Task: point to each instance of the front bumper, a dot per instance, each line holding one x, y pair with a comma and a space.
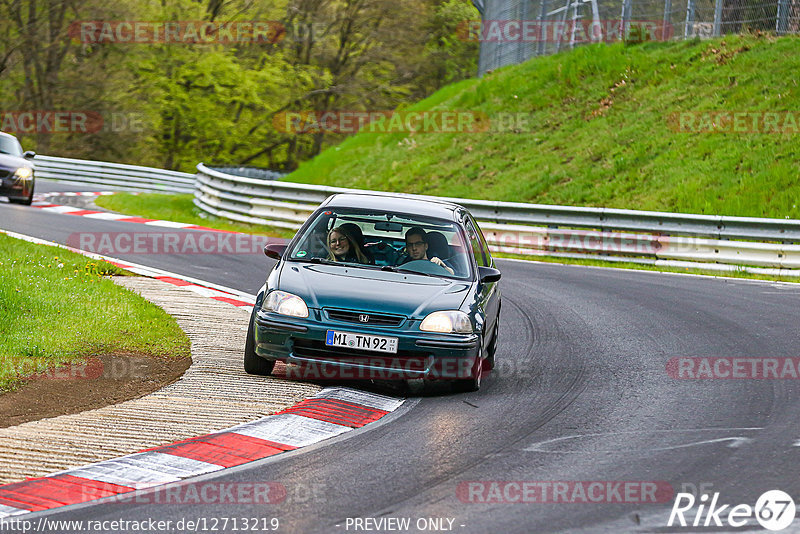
301, 344
13, 187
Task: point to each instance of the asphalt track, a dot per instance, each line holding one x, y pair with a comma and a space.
581, 394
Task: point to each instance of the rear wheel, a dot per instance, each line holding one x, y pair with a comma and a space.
253, 363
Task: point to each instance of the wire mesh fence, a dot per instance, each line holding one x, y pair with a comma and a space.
513, 31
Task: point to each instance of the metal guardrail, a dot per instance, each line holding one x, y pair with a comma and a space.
116, 175
250, 172
510, 227
536, 229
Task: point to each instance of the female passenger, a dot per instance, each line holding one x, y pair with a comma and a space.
344, 247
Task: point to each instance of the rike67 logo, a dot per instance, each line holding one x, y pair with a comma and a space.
774, 510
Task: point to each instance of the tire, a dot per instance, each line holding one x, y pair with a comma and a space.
473, 383
253, 363
24, 201
491, 350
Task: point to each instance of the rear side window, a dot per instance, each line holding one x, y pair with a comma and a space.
475, 242
484, 246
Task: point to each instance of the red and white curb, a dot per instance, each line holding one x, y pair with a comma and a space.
329, 413
40, 202
231, 296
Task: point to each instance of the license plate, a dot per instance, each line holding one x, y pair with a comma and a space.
350, 340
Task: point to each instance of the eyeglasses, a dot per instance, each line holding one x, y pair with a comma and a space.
334, 241
414, 244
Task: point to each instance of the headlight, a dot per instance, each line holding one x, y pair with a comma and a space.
285, 304
24, 173
447, 322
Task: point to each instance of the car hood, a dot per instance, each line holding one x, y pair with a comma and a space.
8, 161
333, 286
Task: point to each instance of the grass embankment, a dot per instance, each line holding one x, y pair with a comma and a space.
599, 133
178, 208
58, 307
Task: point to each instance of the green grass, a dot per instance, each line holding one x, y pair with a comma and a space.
178, 208
58, 307
600, 134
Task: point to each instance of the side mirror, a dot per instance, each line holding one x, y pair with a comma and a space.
29, 154
275, 250
487, 275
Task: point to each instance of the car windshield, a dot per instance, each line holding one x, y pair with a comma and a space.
9, 145
377, 240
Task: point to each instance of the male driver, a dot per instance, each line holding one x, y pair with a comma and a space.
417, 247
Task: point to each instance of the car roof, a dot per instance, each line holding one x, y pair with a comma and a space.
396, 202
4, 134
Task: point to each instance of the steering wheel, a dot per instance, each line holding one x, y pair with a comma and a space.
425, 266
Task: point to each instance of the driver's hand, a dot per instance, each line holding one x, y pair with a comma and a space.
440, 263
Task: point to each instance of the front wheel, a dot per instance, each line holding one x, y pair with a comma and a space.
253, 363
473, 383
492, 349
24, 201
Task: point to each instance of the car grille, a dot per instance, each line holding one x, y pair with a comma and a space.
317, 350
5, 173
373, 319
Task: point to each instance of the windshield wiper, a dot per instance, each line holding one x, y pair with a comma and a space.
326, 261
323, 261
401, 270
